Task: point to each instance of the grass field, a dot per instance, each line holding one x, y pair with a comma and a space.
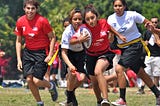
85, 97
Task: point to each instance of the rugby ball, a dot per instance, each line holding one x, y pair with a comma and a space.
84, 31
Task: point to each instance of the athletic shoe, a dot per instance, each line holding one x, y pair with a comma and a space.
40, 104
53, 91
64, 103
140, 91
105, 103
119, 102
158, 101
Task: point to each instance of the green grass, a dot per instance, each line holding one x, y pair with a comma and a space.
85, 97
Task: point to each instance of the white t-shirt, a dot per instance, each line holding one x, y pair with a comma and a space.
66, 36
126, 24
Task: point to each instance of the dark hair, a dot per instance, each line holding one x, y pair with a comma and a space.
34, 2
65, 20
72, 12
124, 3
91, 8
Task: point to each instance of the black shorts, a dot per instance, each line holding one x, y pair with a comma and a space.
78, 60
33, 63
54, 69
91, 61
131, 57
63, 69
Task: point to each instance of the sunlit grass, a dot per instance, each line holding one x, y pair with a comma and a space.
85, 97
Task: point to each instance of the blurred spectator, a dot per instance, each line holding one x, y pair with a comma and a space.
132, 78
3, 64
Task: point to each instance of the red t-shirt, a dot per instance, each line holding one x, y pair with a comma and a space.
34, 31
100, 42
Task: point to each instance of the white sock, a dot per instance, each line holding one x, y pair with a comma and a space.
51, 86
40, 102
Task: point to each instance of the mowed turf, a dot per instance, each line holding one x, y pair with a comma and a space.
85, 97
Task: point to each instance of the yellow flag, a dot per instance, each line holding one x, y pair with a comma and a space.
53, 58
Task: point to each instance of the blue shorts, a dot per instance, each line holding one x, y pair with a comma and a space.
33, 63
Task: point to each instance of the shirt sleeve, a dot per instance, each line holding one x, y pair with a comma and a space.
138, 17
18, 30
46, 26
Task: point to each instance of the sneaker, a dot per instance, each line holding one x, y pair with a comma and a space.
40, 104
140, 91
105, 103
158, 101
53, 91
119, 102
64, 103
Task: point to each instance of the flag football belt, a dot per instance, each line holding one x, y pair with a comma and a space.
135, 41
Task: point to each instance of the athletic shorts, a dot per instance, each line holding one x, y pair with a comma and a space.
152, 66
115, 61
78, 60
63, 71
91, 61
54, 67
33, 63
131, 57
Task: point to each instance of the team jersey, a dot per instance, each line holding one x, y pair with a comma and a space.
100, 42
34, 31
126, 24
67, 35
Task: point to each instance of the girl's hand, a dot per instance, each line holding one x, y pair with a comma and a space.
19, 65
123, 38
84, 38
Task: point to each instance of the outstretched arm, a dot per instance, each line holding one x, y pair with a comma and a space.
123, 38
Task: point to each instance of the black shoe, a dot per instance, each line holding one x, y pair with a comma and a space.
53, 91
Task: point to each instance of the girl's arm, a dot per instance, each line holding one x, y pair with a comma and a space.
123, 38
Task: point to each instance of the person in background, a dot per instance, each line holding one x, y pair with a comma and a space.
132, 78
2, 64
55, 65
152, 63
99, 55
63, 66
73, 55
124, 22
39, 44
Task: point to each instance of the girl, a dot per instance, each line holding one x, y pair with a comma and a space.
125, 23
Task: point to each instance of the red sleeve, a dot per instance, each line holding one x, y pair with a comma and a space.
106, 25
18, 30
46, 26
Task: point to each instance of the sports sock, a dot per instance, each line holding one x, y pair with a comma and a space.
123, 93
40, 102
155, 90
51, 86
142, 87
69, 96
